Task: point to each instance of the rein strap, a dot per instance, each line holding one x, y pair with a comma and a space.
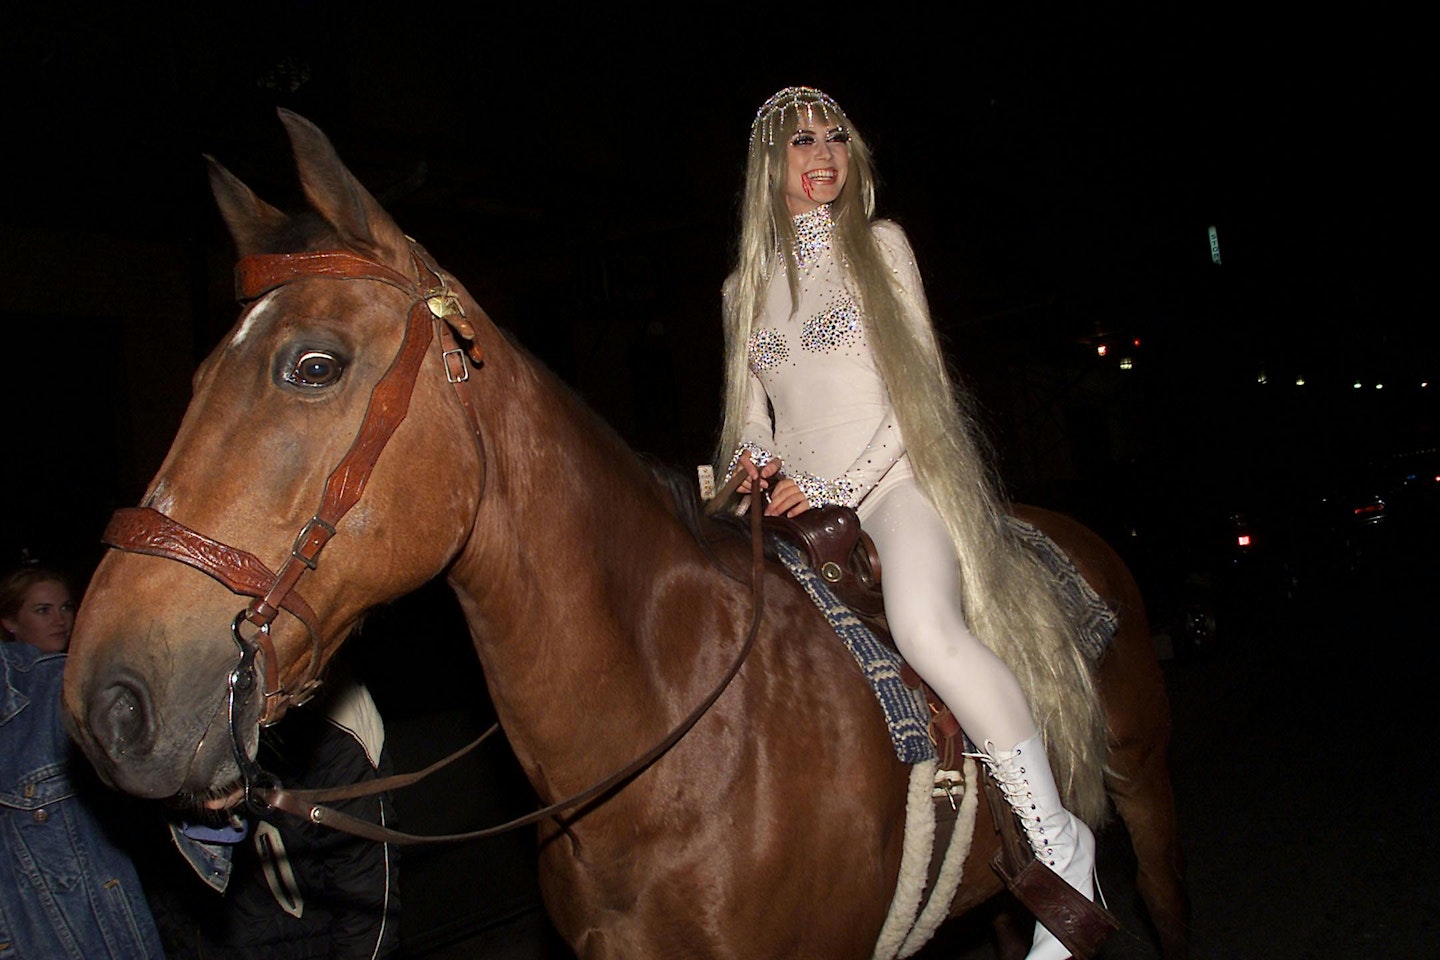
307, 804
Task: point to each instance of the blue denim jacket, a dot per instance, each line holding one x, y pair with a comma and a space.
66, 890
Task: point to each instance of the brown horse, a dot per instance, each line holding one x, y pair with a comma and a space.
772, 829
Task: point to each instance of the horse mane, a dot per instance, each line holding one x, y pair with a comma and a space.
709, 532
308, 230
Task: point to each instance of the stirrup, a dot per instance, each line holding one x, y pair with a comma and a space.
1080, 924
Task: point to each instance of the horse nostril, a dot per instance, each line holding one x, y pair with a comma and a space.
122, 723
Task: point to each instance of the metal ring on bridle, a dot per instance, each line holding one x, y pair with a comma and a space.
242, 678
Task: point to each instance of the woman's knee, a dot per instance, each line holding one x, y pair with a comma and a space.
928, 635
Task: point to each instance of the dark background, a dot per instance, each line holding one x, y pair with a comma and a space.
1057, 174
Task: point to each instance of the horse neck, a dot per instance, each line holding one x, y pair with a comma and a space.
571, 533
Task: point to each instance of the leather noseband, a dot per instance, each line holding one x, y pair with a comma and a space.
435, 309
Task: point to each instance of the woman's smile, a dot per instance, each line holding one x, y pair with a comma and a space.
816, 163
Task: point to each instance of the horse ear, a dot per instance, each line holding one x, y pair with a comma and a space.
253, 223
340, 199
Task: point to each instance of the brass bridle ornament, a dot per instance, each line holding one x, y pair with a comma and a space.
435, 313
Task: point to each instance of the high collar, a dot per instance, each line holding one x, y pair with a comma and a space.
813, 231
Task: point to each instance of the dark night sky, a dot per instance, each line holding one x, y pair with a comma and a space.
1056, 174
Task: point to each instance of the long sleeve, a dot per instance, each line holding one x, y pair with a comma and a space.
757, 417
895, 247
884, 450
758, 436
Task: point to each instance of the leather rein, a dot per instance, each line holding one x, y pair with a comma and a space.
435, 311
309, 804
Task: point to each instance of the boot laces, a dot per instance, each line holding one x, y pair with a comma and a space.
1009, 774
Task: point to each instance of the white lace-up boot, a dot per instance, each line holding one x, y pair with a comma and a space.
1060, 840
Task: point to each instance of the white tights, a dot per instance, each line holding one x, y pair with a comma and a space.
920, 581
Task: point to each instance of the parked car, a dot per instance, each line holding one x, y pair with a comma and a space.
1384, 511
1228, 574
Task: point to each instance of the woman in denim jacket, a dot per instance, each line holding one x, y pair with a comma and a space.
66, 889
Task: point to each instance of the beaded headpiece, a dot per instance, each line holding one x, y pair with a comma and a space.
802, 100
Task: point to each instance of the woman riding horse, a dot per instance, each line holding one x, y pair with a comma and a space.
826, 324
599, 619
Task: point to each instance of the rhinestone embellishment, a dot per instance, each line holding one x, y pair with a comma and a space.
767, 349
812, 235
837, 326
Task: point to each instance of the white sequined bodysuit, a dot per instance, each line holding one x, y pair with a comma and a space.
835, 430
837, 436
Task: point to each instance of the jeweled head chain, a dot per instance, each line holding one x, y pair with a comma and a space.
806, 101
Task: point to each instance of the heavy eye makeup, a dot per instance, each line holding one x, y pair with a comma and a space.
806, 138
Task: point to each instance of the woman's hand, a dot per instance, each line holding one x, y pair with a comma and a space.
786, 500
754, 473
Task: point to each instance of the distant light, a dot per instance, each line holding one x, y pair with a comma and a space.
1127, 363
1379, 386
1262, 378
1135, 342
1357, 384
1243, 540
1102, 349
1299, 381
1424, 384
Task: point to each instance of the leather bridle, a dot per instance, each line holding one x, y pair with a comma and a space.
435, 311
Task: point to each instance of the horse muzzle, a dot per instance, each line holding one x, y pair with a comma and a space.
156, 739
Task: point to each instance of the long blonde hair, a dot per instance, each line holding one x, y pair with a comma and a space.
1007, 596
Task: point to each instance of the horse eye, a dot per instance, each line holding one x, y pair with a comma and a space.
315, 368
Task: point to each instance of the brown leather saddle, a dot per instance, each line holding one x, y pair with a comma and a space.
840, 553
844, 557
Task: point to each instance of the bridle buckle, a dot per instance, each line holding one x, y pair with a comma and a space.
308, 544
459, 356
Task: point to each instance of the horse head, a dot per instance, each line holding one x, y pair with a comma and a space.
315, 418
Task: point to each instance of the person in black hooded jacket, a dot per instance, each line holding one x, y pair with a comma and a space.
280, 887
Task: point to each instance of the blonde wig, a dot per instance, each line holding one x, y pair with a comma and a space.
1008, 598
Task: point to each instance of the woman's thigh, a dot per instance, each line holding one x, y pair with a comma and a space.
920, 579
920, 576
